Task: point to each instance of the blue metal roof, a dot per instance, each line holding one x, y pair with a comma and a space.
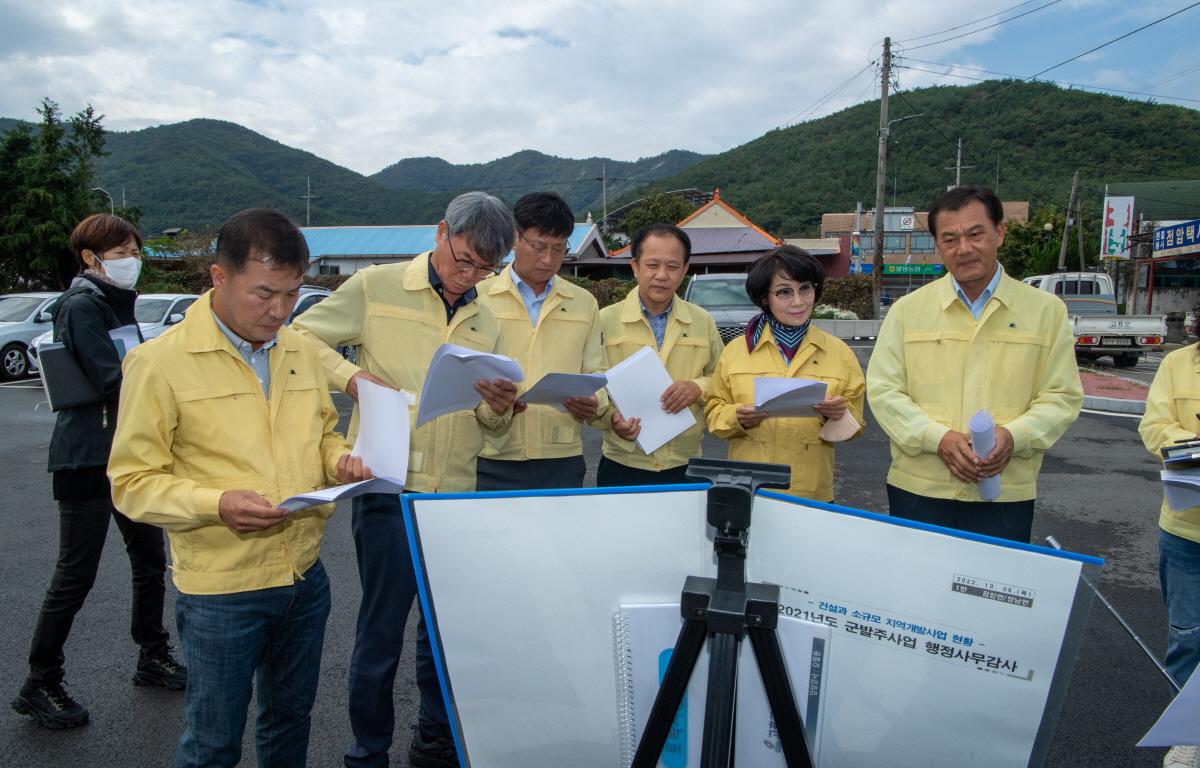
407, 240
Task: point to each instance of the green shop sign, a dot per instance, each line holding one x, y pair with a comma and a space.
912, 269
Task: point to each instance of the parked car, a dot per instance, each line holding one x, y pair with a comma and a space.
724, 297
156, 312
21, 321
310, 295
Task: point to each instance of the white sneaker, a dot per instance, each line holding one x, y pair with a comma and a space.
1182, 757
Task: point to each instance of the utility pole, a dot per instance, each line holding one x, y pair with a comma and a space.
308, 197
1062, 249
958, 166
881, 178
1079, 232
604, 187
996, 189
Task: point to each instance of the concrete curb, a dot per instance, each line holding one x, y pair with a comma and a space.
1113, 404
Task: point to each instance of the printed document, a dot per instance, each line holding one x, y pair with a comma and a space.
450, 382
382, 444
785, 396
553, 388
636, 385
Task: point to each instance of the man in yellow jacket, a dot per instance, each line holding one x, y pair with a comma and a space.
229, 416
1173, 415
687, 342
974, 340
548, 325
398, 315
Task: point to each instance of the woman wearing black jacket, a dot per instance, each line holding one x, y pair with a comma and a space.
99, 300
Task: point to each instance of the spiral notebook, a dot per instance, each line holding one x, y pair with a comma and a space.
643, 640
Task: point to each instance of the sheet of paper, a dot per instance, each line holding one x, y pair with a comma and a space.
553, 388
382, 444
1182, 487
636, 385
124, 339
1179, 724
450, 381
983, 441
784, 396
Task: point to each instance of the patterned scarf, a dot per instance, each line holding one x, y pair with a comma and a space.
787, 337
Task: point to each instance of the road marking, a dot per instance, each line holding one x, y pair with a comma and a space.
19, 385
1111, 413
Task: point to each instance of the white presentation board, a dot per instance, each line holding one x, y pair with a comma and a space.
948, 649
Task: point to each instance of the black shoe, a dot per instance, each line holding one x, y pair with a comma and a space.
432, 753
50, 706
162, 669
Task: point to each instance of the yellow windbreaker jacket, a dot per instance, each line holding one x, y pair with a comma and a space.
1173, 414
566, 340
934, 366
195, 424
397, 320
691, 347
793, 441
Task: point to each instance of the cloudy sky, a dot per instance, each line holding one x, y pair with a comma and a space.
365, 84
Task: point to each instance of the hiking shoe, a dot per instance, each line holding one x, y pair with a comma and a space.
432, 753
161, 669
50, 706
1182, 757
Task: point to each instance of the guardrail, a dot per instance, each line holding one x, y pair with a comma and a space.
850, 329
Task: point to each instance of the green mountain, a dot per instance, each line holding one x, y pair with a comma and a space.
1031, 136
195, 174
578, 181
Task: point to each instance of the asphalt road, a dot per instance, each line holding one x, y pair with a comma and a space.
1099, 495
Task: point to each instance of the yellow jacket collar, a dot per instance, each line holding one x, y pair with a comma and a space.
203, 335
631, 309
416, 276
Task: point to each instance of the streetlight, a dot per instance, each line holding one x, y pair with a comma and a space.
111, 209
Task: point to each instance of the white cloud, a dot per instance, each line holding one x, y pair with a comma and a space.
366, 83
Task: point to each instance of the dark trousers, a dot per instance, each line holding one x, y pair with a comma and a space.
611, 473
82, 528
1011, 520
495, 475
389, 585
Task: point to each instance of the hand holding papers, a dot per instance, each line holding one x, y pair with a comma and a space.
636, 385
780, 396
553, 388
382, 445
983, 441
450, 382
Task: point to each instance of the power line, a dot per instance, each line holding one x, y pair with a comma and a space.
900, 94
1098, 47
1169, 78
1018, 77
969, 23
829, 96
990, 26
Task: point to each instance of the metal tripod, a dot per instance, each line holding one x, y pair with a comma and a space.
723, 610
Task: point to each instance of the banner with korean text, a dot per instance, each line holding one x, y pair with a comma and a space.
1116, 227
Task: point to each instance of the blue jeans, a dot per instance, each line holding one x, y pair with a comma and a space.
1179, 571
389, 585
271, 637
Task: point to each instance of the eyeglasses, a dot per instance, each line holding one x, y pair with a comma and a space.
787, 294
558, 250
466, 266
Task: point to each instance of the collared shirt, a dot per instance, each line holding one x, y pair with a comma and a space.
533, 304
976, 307
259, 361
436, 281
658, 323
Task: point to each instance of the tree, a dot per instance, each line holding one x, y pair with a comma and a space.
47, 179
660, 207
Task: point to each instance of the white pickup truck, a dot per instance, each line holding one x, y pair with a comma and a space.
1098, 329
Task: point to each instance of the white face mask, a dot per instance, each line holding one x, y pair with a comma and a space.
123, 272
